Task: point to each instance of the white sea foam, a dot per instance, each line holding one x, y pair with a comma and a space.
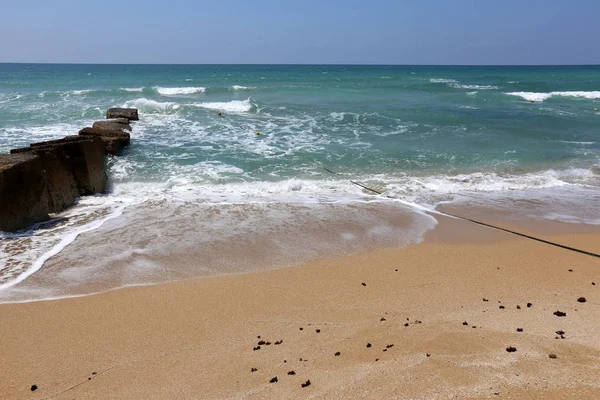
535, 96
141, 89
149, 105
239, 87
176, 91
475, 87
233, 106
442, 80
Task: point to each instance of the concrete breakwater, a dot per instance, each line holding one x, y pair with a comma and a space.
47, 177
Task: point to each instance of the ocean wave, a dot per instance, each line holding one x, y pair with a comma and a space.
233, 106
175, 91
239, 87
135, 90
475, 87
148, 105
442, 80
8, 97
535, 96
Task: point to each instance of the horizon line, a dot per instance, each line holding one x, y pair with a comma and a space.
309, 64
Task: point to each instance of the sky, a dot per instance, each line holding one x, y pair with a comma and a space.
432, 32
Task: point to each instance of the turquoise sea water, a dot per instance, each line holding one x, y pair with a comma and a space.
421, 135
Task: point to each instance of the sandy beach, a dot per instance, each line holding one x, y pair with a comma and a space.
469, 314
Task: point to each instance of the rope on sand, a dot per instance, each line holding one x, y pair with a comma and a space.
562, 246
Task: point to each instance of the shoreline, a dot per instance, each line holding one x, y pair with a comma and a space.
195, 338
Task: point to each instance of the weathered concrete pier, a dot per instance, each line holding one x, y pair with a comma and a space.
48, 177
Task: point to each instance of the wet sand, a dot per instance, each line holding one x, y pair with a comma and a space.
471, 313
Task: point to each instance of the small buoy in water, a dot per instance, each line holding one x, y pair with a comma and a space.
256, 132
596, 109
219, 114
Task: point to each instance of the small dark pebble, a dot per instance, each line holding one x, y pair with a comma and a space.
427, 355
518, 307
300, 359
552, 355
511, 349
337, 353
382, 319
474, 326
406, 324
94, 373
261, 343
274, 380
292, 373
485, 299
570, 270
279, 342
253, 370
268, 343
33, 388
258, 337
501, 307
318, 331
305, 384
368, 345
301, 329
284, 361
396, 270
418, 322
389, 346
581, 300
594, 283
384, 349
377, 359
364, 284
89, 378
560, 313
519, 329
256, 348
465, 323
529, 305
496, 393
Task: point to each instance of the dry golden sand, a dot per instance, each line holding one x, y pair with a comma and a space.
195, 339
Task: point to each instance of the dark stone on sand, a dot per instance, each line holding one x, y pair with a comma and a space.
518, 307
364, 284
274, 380
292, 373
570, 270
47, 177
384, 349
501, 307
552, 355
111, 126
406, 324
318, 331
427, 355
260, 343
256, 348
337, 353
368, 345
529, 305
382, 319
305, 384
389, 346
258, 337
396, 270
301, 329
94, 373
519, 329
267, 343
594, 283
485, 299
253, 370
560, 313
511, 349
34, 388
279, 342
465, 323
129, 113
581, 300
89, 378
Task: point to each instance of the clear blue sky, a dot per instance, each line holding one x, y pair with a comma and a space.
302, 31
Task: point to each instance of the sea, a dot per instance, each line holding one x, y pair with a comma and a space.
237, 168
